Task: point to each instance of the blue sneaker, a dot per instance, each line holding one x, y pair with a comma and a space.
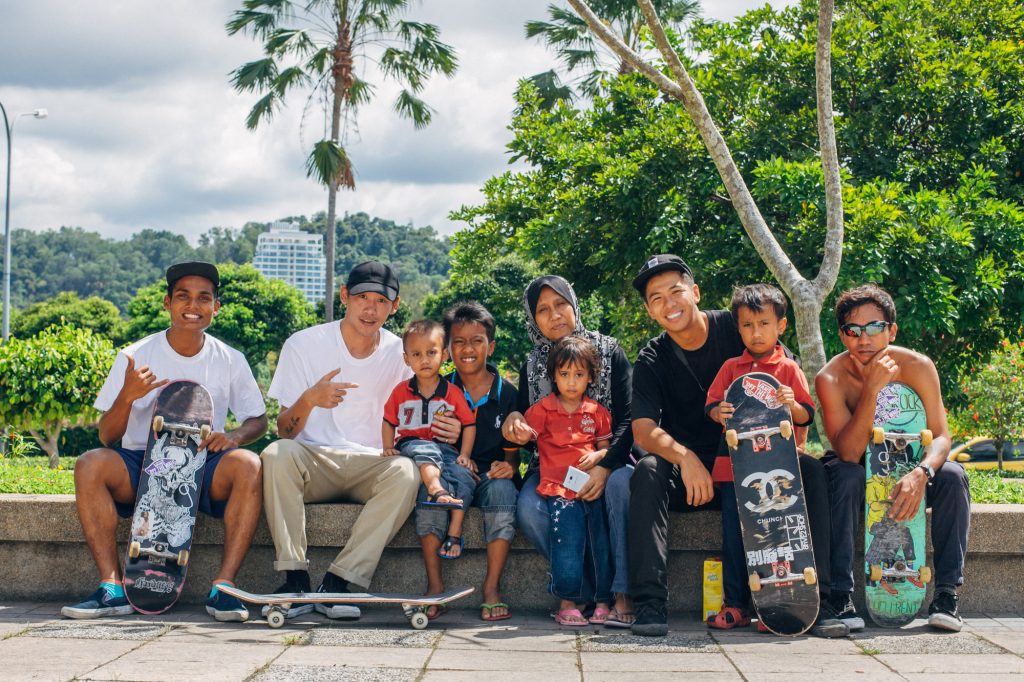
226, 608
102, 602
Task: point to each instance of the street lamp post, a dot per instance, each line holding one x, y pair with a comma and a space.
9, 129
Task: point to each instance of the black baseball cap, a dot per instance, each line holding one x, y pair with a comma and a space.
656, 264
196, 268
374, 277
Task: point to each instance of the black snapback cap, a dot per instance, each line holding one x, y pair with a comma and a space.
193, 268
374, 277
656, 264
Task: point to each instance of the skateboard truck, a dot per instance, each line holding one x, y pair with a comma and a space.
178, 431
900, 440
784, 429
159, 550
809, 576
899, 570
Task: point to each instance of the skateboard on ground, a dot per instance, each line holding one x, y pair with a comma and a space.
894, 553
414, 606
168, 497
772, 510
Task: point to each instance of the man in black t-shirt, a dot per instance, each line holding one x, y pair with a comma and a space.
671, 378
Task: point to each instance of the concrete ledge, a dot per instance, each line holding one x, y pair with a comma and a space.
44, 558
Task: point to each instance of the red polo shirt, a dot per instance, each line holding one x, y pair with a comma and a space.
564, 437
779, 366
411, 414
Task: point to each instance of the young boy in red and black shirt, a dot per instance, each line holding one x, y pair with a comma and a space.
408, 414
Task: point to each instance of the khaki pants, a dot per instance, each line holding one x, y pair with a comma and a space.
295, 473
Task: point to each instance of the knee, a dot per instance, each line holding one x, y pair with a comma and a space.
94, 464
279, 453
645, 475
952, 476
499, 493
617, 489
242, 466
403, 472
845, 478
813, 473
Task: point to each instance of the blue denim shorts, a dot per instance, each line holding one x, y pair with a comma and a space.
133, 462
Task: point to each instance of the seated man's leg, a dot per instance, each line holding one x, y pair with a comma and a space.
949, 497
735, 588
105, 482
846, 483
616, 496
233, 491
532, 516
497, 499
819, 521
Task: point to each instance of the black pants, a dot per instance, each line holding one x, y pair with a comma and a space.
656, 487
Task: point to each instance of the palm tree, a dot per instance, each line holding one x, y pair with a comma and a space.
573, 42
323, 47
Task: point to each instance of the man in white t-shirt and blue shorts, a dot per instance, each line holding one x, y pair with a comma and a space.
332, 381
106, 479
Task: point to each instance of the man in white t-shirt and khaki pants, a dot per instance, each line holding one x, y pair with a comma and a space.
332, 381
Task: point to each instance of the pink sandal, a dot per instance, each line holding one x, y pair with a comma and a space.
600, 616
570, 617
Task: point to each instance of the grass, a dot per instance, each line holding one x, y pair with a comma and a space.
34, 476
989, 486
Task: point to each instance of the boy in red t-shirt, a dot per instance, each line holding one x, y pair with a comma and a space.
574, 430
408, 414
760, 314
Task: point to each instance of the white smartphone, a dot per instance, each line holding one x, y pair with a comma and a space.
575, 479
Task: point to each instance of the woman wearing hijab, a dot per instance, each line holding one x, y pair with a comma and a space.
552, 312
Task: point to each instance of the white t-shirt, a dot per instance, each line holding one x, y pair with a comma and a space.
355, 424
221, 369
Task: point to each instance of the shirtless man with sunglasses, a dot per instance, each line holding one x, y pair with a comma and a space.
847, 388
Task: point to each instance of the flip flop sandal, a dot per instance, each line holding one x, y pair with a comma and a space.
449, 543
571, 617
496, 605
600, 616
431, 500
439, 610
618, 619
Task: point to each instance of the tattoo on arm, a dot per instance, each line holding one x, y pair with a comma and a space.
289, 428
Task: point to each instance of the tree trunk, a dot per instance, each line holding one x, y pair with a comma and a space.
48, 442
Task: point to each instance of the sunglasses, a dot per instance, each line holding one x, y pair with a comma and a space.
871, 328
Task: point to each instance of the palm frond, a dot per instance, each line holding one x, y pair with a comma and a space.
264, 109
407, 105
360, 93
256, 75
329, 164
289, 41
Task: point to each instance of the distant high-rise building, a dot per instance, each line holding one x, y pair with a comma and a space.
297, 257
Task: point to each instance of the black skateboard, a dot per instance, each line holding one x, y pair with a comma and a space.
168, 497
772, 510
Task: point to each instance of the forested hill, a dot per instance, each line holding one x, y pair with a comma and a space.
73, 259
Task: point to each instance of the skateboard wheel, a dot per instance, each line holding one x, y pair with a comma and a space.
875, 573
275, 619
810, 576
204, 432
183, 557
755, 582
877, 436
925, 574
134, 549
419, 620
731, 438
926, 437
786, 429
158, 423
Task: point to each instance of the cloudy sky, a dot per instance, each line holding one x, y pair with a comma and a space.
144, 129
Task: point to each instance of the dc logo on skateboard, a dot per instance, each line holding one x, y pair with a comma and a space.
761, 391
772, 490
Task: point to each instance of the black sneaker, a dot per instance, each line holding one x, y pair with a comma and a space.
841, 605
99, 604
651, 619
943, 612
333, 584
295, 582
827, 624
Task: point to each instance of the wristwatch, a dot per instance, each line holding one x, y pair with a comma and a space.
927, 470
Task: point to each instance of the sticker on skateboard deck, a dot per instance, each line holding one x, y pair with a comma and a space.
772, 510
414, 606
167, 499
894, 552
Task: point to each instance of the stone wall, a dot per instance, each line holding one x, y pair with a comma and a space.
43, 556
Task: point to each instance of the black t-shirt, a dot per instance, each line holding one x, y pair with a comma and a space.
489, 444
665, 391
622, 432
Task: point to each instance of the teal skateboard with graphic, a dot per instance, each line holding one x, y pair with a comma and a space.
894, 552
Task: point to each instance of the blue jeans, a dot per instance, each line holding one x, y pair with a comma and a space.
495, 497
534, 521
948, 495
580, 554
442, 456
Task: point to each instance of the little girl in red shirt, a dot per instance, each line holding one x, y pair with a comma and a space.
574, 430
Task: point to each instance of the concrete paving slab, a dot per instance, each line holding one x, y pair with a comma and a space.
972, 623
902, 642
762, 663
550, 663
979, 664
12, 629
354, 656
151, 662
306, 673
675, 642
226, 633
1013, 622
661, 676
1010, 641
77, 629
508, 639
955, 677
27, 658
474, 676
655, 662
748, 643
377, 637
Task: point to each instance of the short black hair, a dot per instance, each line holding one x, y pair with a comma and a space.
757, 297
421, 328
866, 294
572, 350
468, 312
